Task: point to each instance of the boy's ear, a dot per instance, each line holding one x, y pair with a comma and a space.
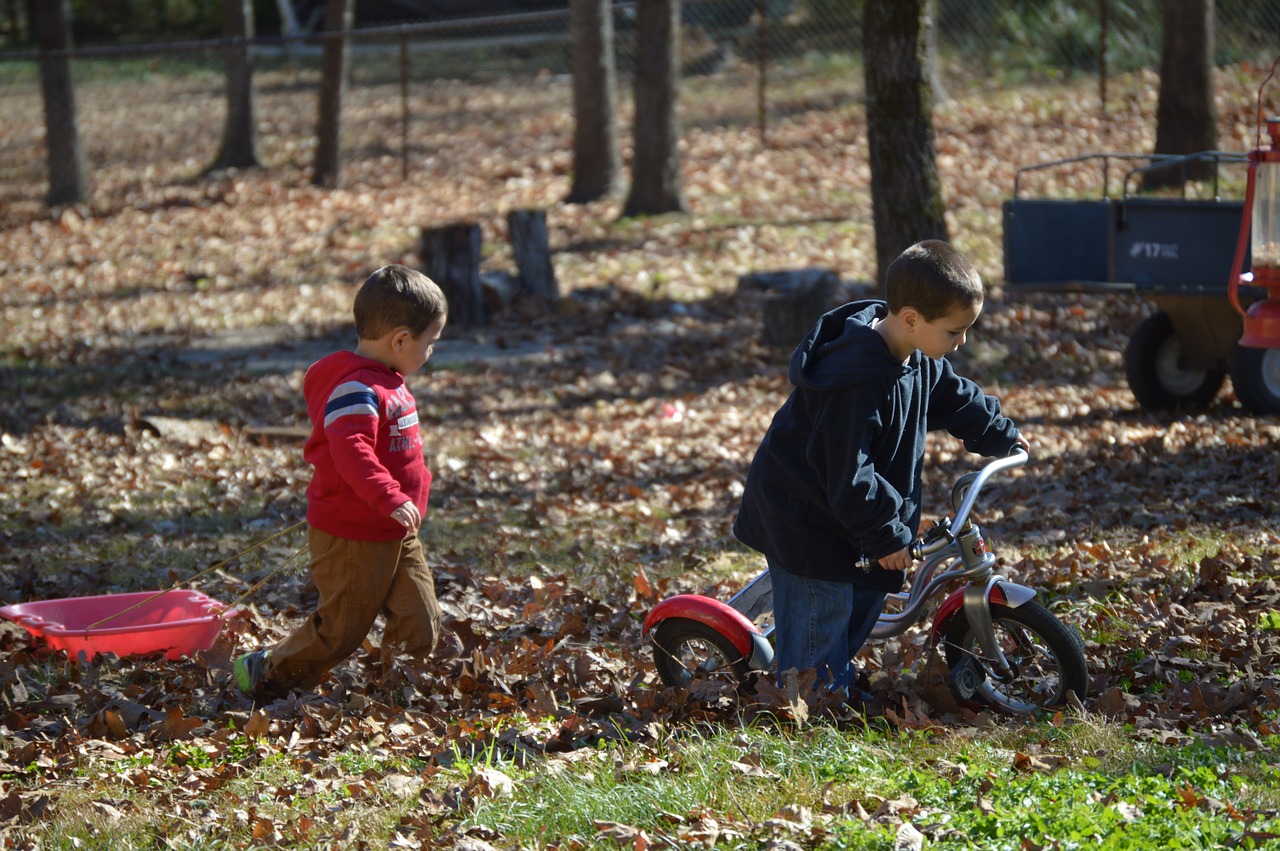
909, 317
400, 337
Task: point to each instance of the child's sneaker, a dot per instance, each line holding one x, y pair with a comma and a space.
250, 670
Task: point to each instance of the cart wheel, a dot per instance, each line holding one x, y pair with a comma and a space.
1158, 382
1255, 375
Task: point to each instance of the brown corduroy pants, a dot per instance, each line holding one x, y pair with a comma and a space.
357, 581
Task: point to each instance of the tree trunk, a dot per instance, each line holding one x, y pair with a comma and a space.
339, 16
597, 162
532, 249
906, 194
1186, 121
240, 132
656, 183
68, 173
451, 255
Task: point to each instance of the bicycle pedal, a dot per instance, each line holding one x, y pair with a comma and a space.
966, 677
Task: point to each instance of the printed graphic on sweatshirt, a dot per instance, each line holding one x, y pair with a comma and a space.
402, 414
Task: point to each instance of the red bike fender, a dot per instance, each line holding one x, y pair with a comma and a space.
955, 603
724, 619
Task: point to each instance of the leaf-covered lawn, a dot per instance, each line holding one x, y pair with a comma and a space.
587, 462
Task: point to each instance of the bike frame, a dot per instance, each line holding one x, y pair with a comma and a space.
956, 545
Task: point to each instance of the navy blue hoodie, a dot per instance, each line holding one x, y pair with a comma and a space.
838, 473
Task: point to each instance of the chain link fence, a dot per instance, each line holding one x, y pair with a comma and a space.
152, 114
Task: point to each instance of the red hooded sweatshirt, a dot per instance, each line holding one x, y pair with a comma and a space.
365, 446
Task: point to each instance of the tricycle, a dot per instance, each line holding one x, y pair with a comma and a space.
1003, 648
1175, 250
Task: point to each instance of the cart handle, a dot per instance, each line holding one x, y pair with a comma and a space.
1182, 161
1104, 157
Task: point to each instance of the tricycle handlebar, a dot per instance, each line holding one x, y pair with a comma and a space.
1016, 458
967, 490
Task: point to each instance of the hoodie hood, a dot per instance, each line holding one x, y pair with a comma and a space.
327, 372
843, 350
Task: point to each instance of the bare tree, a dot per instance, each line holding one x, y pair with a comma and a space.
906, 194
240, 132
657, 185
339, 16
1186, 121
68, 173
597, 162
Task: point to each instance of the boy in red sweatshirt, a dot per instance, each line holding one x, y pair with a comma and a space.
368, 491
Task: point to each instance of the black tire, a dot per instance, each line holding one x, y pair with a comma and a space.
684, 649
1155, 378
1047, 657
1255, 375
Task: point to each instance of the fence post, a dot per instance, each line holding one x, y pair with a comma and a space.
762, 49
68, 169
404, 104
1104, 25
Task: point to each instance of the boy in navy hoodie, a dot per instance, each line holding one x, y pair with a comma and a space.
368, 491
838, 474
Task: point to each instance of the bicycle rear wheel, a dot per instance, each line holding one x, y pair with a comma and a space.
684, 649
1046, 655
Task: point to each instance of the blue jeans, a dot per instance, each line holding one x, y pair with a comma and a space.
821, 625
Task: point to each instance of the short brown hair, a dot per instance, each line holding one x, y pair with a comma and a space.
396, 296
934, 278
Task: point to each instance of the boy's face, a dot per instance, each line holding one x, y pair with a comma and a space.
945, 334
409, 353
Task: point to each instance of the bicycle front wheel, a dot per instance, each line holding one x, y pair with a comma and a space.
1046, 656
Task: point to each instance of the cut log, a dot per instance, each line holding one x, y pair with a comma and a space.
190, 432
500, 289
532, 249
794, 300
451, 257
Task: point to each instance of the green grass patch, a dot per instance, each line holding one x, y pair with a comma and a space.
1081, 784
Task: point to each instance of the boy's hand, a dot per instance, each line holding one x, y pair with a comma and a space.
901, 560
408, 516
1023, 442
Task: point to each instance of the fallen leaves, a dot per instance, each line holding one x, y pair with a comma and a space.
588, 463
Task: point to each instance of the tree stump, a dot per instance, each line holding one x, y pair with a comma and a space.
532, 249
794, 300
451, 255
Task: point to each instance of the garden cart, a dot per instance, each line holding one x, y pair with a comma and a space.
1175, 250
